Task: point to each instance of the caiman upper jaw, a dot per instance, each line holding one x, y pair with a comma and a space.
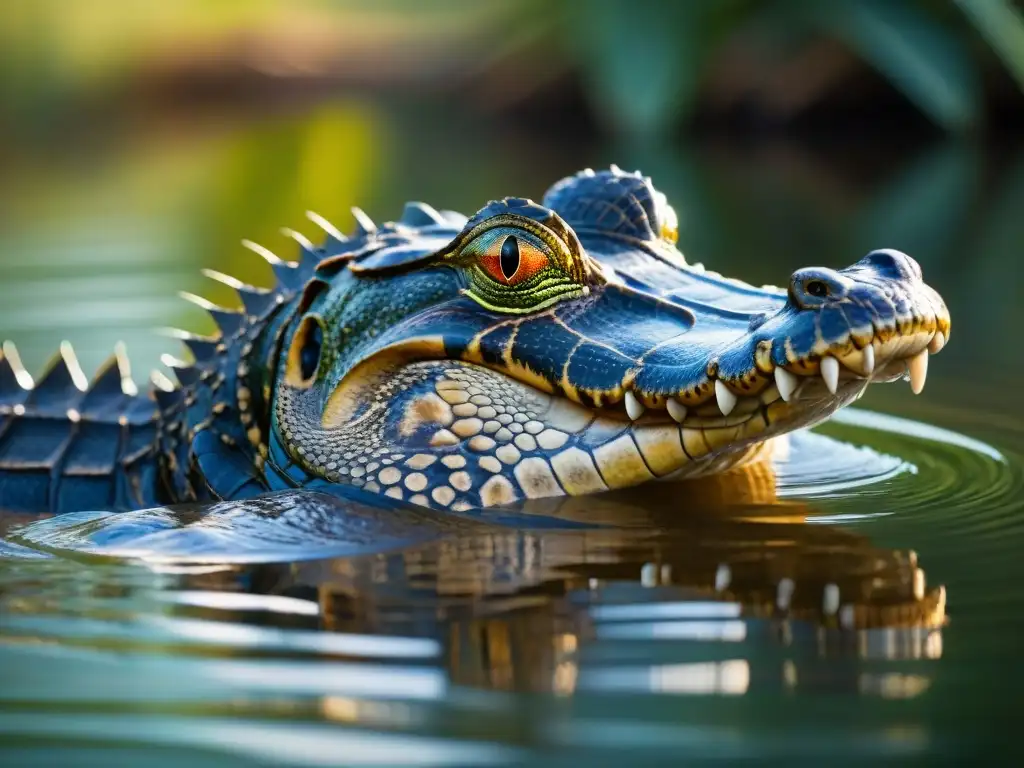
874, 321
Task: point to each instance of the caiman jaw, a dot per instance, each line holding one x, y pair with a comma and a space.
458, 435
831, 379
785, 397
878, 321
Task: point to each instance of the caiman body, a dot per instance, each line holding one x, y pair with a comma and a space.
533, 350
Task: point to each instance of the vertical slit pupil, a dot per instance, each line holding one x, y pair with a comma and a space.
509, 257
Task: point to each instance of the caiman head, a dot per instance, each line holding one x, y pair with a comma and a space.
566, 348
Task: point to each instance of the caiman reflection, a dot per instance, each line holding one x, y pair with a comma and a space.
550, 611
557, 608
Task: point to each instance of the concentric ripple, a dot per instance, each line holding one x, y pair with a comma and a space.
817, 466
963, 486
876, 456
706, 619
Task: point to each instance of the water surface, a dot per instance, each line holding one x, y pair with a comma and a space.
861, 599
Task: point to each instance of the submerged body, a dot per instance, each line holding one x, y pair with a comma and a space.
534, 350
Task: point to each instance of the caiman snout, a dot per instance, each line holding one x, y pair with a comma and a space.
813, 287
877, 318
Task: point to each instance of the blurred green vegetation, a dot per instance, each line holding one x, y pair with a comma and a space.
105, 212
645, 66
644, 60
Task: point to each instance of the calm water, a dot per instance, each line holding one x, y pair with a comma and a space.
861, 600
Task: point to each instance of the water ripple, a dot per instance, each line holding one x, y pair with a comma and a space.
307, 630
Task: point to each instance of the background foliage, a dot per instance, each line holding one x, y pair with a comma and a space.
646, 67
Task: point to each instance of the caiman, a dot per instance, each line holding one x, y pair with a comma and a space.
533, 350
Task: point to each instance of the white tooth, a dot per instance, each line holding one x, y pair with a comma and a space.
830, 373
784, 593
649, 575
918, 584
676, 410
937, 343
786, 382
868, 364
634, 408
847, 617
830, 599
726, 399
918, 367
723, 577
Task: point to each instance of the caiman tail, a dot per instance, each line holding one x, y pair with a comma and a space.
68, 445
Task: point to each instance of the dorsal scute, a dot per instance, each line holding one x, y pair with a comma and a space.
613, 203
418, 214
64, 390
63, 383
290, 276
257, 301
186, 374
419, 233
112, 391
518, 206
167, 399
203, 349
364, 224
108, 381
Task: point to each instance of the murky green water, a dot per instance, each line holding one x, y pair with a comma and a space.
865, 606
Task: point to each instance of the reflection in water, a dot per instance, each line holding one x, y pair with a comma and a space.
431, 628
710, 621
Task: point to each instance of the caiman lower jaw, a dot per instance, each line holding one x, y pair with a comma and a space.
634, 444
902, 356
533, 444
457, 435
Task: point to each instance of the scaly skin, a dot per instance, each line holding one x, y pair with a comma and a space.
534, 350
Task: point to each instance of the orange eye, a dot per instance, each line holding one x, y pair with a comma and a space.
512, 260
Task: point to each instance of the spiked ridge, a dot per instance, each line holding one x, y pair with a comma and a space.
221, 393
364, 224
67, 444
